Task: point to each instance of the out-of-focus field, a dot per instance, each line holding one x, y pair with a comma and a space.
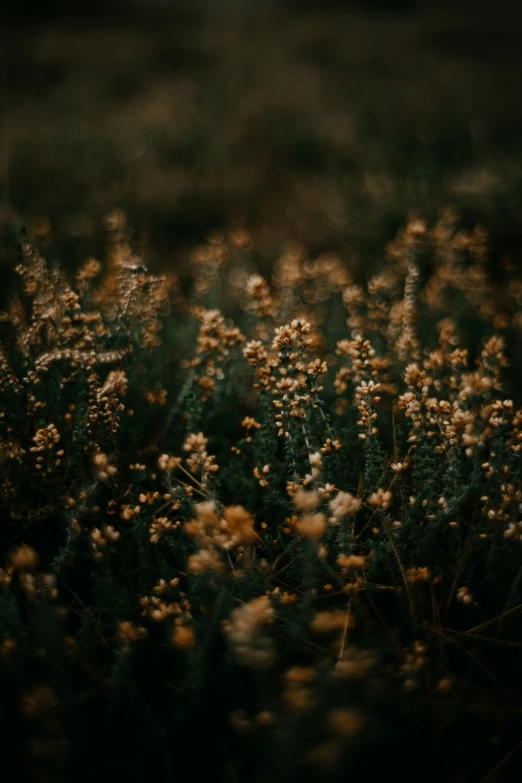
326, 127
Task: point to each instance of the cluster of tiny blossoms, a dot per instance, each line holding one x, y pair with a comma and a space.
266, 523
300, 379
214, 343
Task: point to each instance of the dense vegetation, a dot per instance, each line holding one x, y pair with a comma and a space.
260, 394
291, 539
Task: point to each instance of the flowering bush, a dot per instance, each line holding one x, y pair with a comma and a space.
281, 546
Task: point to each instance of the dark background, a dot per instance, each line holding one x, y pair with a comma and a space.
318, 120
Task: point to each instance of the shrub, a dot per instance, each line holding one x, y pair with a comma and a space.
283, 546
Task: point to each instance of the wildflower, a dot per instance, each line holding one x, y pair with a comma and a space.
350, 562
261, 475
251, 647
24, 558
234, 528
347, 722
343, 505
46, 438
261, 302
360, 354
330, 445
129, 633
40, 702
514, 530
354, 664
464, 595
199, 461
183, 637
128, 513
305, 500
250, 423
381, 499
205, 560
418, 575
100, 460
168, 463
297, 693
255, 353
312, 526
158, 396
289, 334
333, 620
160, 526
316, 460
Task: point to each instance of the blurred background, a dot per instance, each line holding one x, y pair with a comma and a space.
323, 121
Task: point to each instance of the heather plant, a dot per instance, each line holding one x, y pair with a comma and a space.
262, 527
